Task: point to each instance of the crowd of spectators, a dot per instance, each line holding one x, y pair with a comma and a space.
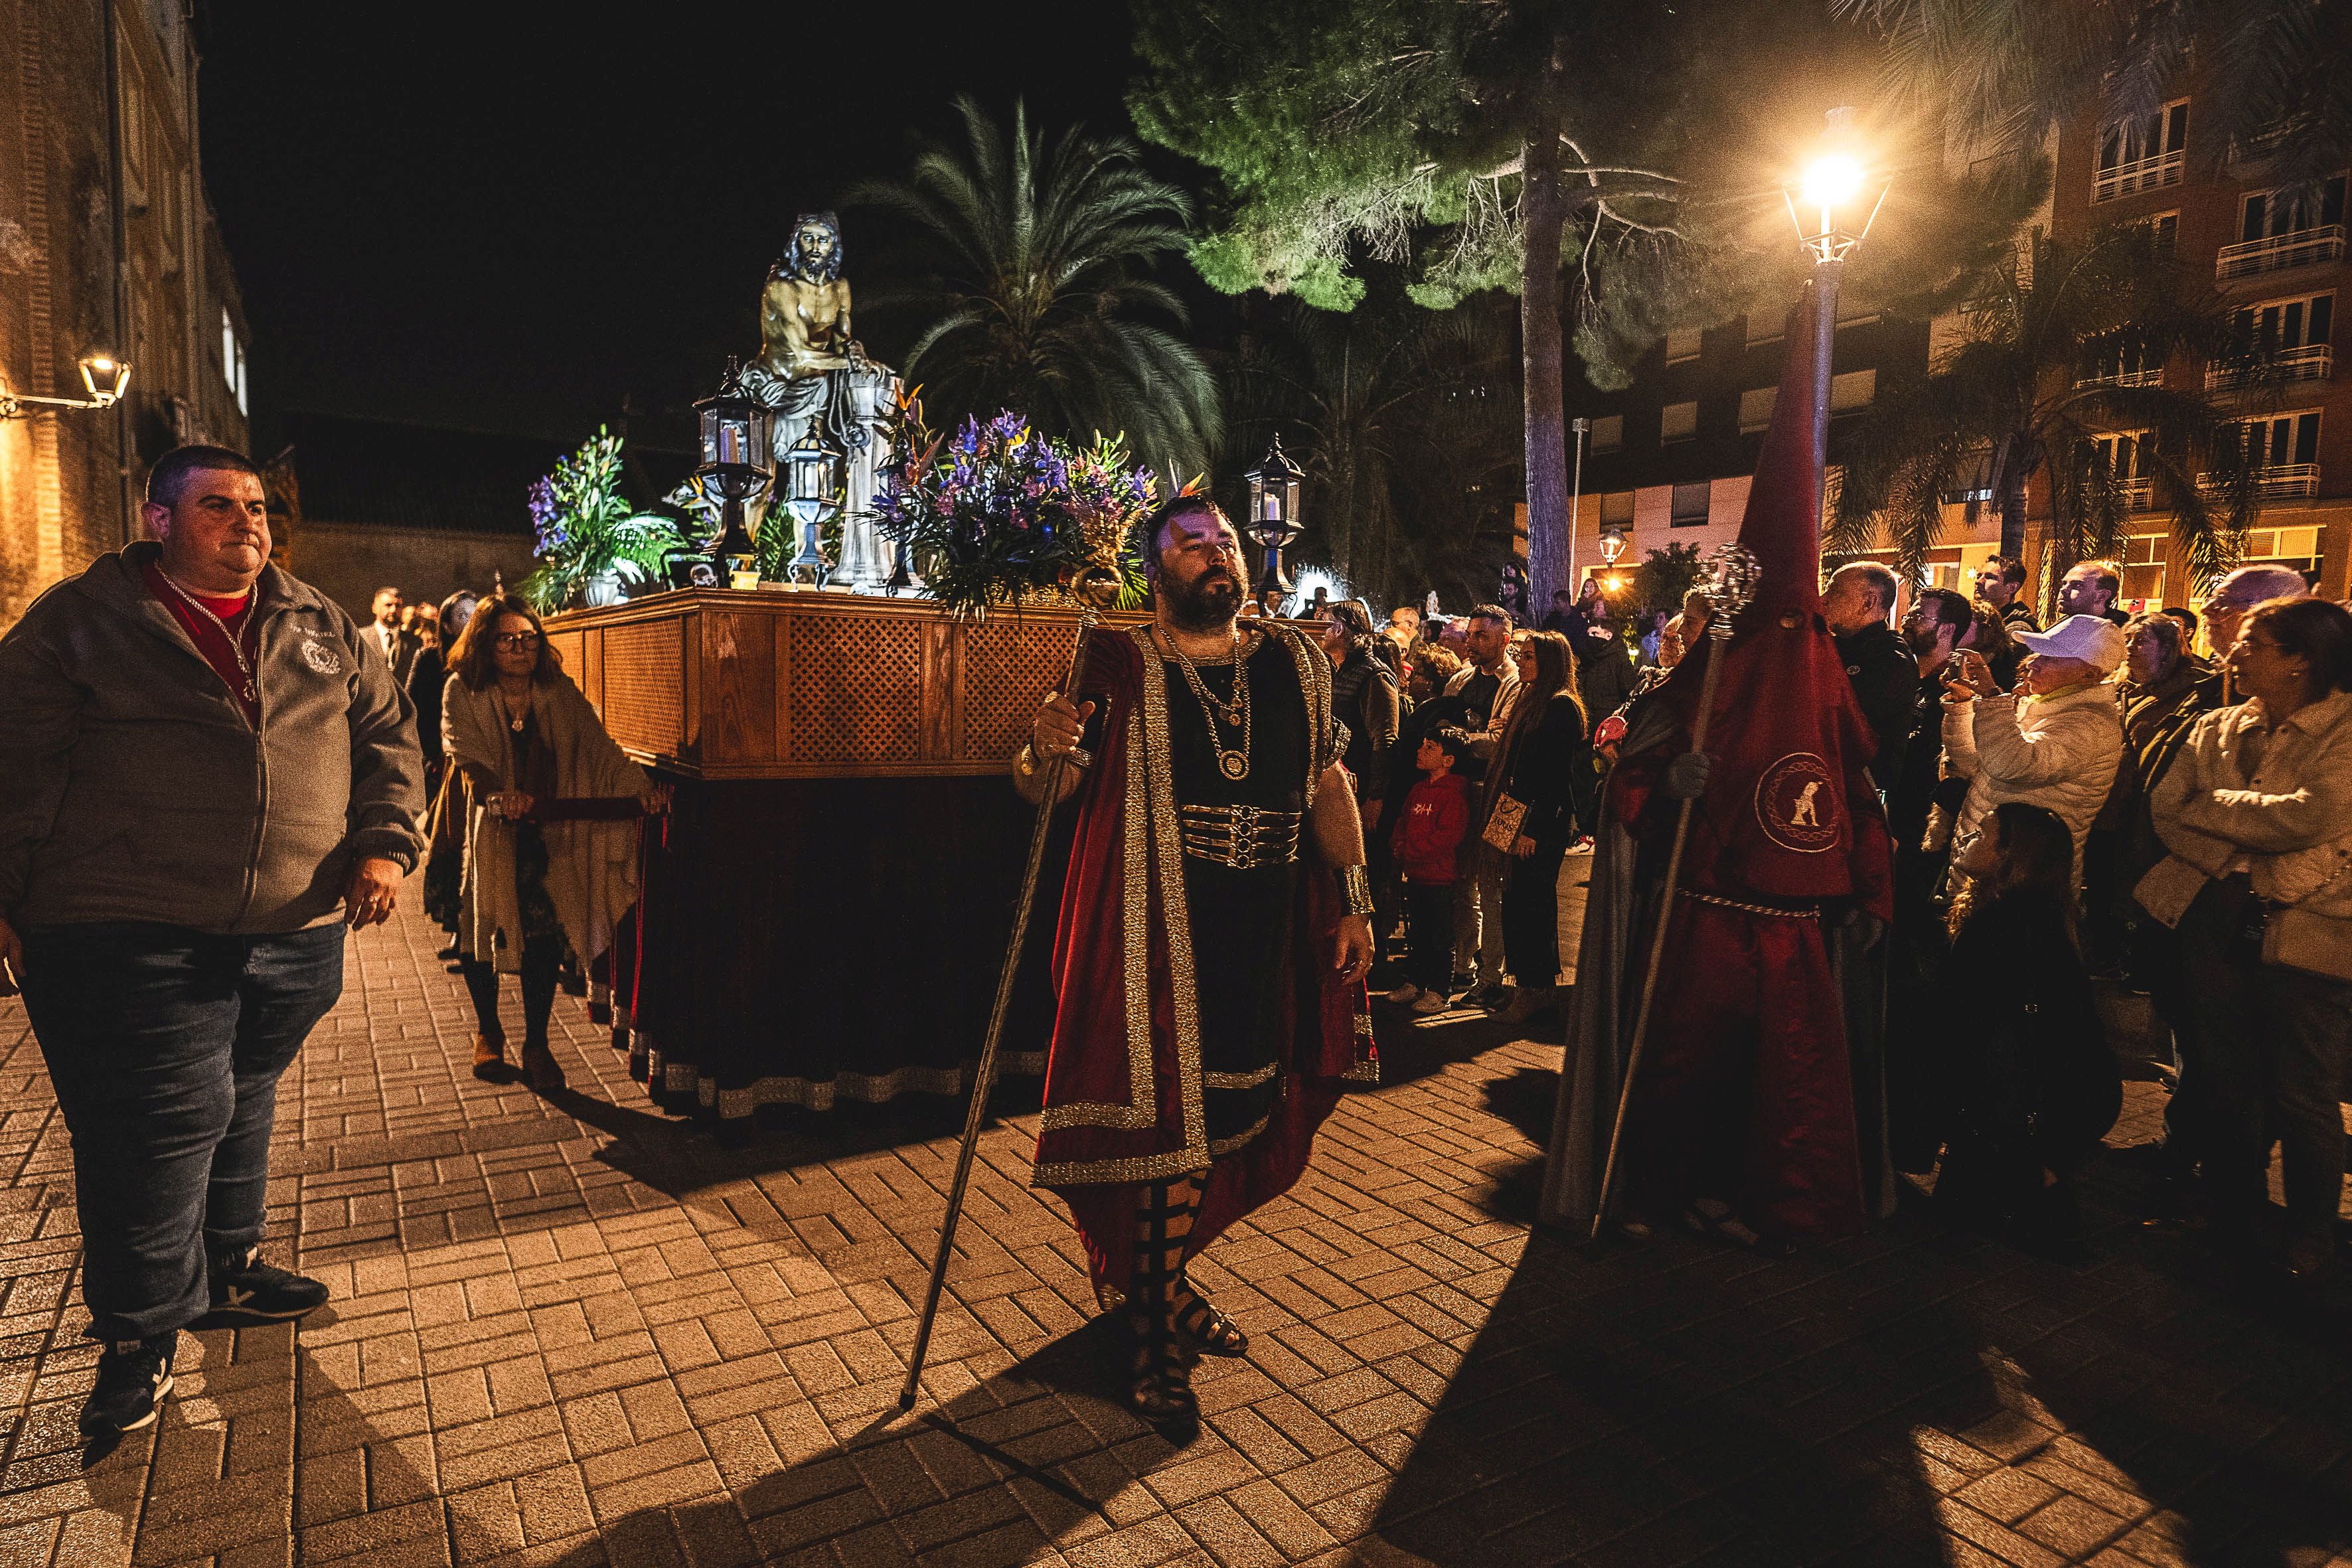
2093, 804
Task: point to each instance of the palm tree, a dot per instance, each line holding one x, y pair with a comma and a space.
2058, 373
1040, 294
1406, 421
2003, 72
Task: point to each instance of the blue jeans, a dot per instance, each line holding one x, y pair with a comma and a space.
164, 1046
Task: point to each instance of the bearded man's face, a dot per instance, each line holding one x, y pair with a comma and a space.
1199, 576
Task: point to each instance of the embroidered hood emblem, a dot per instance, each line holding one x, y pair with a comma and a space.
1797, 804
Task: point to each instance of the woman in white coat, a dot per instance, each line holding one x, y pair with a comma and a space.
2256, 813
550, 809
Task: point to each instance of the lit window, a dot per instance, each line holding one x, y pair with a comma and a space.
1680, 422
1681, 344
1609, 433
1755, 407
1617, 510
1690, 504
1853, 390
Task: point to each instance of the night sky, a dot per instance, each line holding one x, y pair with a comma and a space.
450, 216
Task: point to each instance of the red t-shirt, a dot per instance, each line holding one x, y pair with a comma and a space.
213, 641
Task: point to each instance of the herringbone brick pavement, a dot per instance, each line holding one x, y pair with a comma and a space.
570, 1330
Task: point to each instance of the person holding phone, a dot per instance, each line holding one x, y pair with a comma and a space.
2054, 741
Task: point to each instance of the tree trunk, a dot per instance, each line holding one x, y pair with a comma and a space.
2012, 518
1544, 205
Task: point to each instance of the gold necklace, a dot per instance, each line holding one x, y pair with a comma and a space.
514, 721
1235, 711
236, 644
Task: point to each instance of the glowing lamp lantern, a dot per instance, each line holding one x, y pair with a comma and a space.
735, 448
1273, 515
1838, 193
1612, 545
107, 377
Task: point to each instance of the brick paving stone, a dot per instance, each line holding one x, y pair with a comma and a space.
574, 1331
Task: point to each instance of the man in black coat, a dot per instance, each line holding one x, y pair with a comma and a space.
1857, 605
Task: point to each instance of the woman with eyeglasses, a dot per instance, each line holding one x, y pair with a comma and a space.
548, 807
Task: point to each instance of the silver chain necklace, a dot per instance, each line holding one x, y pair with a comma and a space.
236, 644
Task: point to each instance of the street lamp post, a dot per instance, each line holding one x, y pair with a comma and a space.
106, 377
1577, 426
1273, 516
734, 441
1834, 188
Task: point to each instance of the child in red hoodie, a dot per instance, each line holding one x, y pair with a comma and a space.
1428, 833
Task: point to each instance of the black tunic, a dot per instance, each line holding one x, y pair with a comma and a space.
1241, 920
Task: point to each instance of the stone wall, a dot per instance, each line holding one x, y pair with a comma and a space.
348, 562
70, 478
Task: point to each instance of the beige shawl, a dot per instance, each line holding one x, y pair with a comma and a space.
591, 873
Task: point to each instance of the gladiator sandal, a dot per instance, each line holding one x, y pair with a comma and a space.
1206, 1330
1162, 1389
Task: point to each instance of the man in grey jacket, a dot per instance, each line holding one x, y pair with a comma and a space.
204, 777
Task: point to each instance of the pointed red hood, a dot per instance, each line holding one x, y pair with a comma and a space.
1789, 811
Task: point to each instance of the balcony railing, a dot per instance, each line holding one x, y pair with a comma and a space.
2283, 481
2311, 362
2151, 173
2151, 377
2138, 494
2278, 252
2278, 481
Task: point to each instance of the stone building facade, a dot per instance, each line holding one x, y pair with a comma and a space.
108, 245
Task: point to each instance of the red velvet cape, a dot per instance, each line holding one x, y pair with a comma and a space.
1123, 1077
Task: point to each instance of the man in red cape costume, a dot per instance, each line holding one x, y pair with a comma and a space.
1214, 937
1743, 1118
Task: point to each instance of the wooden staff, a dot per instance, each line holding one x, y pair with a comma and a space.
984, 1075
1731, 584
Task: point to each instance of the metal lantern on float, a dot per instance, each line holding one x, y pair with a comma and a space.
812, 489
735, 446
1273, 515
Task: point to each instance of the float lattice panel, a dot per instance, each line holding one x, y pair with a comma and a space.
856, 689
645, 686
1008, 667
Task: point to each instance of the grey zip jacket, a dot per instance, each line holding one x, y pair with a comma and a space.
132, 788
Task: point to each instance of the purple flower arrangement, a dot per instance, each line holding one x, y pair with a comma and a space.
999, 515
584, 528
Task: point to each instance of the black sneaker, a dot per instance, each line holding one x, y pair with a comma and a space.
134, 1375
246, 1288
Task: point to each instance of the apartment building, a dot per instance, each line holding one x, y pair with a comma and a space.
1667, 461
108, 245
2278, 259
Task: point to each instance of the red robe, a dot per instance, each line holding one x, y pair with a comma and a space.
1123, 1078
1745, 1091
